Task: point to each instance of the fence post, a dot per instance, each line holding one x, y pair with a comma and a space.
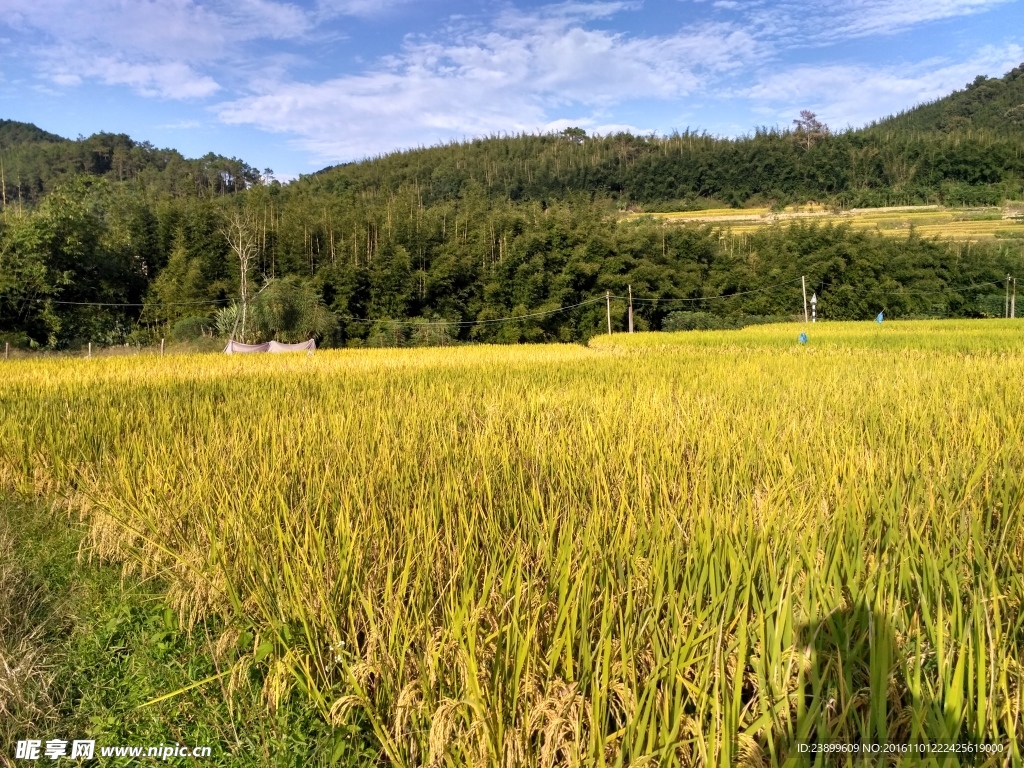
161, 347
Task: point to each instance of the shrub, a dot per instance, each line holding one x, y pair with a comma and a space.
190, 328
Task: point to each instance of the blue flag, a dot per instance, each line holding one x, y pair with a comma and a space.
880, 318
802, 338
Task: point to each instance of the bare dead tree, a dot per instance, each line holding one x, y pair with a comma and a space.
242, 234
809, 128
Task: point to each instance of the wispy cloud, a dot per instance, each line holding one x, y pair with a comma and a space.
800, 23
160, 48
856, 94
859, 18
298, 67
181, 125
524, 72
167, 79
332, 8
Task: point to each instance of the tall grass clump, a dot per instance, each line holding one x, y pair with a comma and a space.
664, 549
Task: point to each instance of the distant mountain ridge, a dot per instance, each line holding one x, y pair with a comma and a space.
35, 162
962, 149
13, 132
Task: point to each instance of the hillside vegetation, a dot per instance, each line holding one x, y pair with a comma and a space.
989, 103
382, 251
36, 163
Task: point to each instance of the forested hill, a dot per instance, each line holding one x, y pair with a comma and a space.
109, 240
963, 149
12, 132
992, 104
35, 162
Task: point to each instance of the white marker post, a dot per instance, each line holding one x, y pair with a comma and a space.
814, 307
803, 285
630, 308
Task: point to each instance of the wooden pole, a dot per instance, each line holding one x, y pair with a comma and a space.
161, 347
803, 285
630, 308
90, 349
1006, 301
1013, 300
608, 302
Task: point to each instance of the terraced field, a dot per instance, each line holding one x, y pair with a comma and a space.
965, 224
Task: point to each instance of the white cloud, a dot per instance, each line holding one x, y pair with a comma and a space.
799, 23
513, 70
169, 79
857, 18
178, 29
155, 47
181, 125
518, 75
854, 95
331, 8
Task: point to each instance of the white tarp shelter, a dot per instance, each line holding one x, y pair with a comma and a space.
236, 347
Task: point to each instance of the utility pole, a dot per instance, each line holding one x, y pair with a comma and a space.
1013, 300
803, 285
630, 308
608, 302
1006, 301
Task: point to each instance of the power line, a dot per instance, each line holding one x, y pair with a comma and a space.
905, 291
463, 323
900, 291
127, 304
710, 298
543, 313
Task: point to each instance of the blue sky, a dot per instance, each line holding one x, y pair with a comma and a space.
295, 86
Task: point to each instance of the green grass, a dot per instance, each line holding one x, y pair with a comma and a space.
106, 645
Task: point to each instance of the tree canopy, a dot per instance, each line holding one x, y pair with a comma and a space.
105, 239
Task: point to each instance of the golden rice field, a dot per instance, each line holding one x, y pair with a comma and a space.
663, 549
928, 220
